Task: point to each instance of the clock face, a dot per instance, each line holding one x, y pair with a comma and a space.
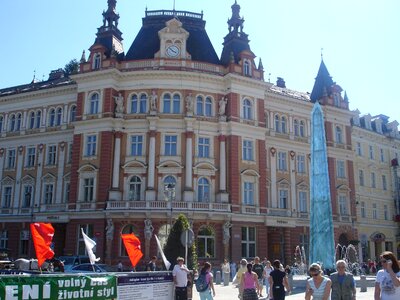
172, 51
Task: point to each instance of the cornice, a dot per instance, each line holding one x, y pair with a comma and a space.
54, 91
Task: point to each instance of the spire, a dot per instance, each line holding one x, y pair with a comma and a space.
323, 83
83, 57
260, 65
346, 99
108, 34
236, 40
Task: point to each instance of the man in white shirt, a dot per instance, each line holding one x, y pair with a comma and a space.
179, 274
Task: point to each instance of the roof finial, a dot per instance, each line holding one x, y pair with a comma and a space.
322, 53
174, 5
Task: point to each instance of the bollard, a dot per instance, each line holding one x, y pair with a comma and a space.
218, 277
226, 279
363, 283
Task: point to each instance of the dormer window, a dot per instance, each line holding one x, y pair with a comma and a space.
246, 68
336, 100
96, 61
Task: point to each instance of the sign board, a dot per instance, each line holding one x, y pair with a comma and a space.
187, 238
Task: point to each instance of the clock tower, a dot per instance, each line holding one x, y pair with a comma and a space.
173, 40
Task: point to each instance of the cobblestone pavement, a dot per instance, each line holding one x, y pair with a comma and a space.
231, 293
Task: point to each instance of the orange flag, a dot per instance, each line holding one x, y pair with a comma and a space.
42, 235
132, 245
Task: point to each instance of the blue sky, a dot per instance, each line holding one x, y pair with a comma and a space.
360, 38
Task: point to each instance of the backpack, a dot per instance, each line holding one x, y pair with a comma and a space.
201, 283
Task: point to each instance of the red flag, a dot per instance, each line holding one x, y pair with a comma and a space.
42, 235
132, 245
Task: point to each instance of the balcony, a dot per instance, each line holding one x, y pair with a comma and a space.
165, 205
279, 212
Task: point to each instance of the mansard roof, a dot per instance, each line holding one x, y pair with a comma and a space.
147, 42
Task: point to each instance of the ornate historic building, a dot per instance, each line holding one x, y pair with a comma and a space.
137, 137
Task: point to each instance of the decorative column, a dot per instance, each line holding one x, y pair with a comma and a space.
115, 193
17, 192
60, 173
150, 193
148, 234
293, 194
274, 200
188, 194
39, 172
222, 196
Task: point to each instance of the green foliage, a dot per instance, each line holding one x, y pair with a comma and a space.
173, 248
72, 67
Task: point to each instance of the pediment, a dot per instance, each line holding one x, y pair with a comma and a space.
134, 164
250, 172
8, 180
205, 165
87, 168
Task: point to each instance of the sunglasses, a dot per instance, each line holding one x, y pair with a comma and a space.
314, 274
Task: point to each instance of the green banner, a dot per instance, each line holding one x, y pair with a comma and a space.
58, 287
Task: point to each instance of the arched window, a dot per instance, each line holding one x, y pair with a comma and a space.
302, 132
59, 116
296, 127
176, 104
199, 106
97, 61
247, 109
169, 188
167, 104
94, 104
206, 243
336, 101
72, 116
128, 229
18, 123
143, 104
203, 191
283, 124
32, 120
277, 123
134, 104
12, 123
208, 109
52, 117
135, 185
38, 118
1, 123
339, 137
246, 68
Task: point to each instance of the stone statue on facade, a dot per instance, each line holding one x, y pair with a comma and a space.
189, 104
110, 230
119, 105
153, 102
226, 231
222, 106
148, 229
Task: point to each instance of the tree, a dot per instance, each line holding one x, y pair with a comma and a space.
173, 248
72, 67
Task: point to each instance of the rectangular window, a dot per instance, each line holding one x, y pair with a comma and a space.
136, 145
303, 201
363, 213
88, 230
205, 244
248, 194
382, 155
374, 211
384, 184
247, 151
373, 180
361, 177
3, 239
51, 155
24, 242
170, 144
343, 206
385, 212
7, 192
11, 159
301, 164
283, 199
30, 157
359, 149
282, 161
69, 159
204, 147
28, 196
248, 242
91, 145
66, 192
371, 152
48, 193
340, 169
88, 189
